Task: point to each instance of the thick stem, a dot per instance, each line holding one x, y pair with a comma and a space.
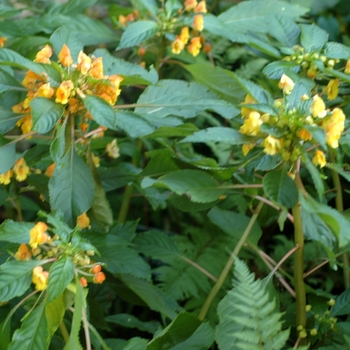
64, 332
217, 286
125, 204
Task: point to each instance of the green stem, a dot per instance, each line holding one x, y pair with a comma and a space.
340, 207
217, 286
125, 204
64, 332
160, 53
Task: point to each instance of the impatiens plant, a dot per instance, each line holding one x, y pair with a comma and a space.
173, 175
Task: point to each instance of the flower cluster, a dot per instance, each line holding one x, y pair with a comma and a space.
288, 129
20, 170
42, 246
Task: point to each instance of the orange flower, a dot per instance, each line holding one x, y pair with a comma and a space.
64, 56
190, 5
83, 282
177, 46
96, 70
207, 48
38, 235
2, 41
198, 23
195, 46
83, 221
43, 56
141, 51
84, 62
31, 79
319, 158
21, 170
5, 178
50, 169
23, 253
303, 134
96, 269
40, 278
99, 277
63, 92
45, 90
115, 80
201, 7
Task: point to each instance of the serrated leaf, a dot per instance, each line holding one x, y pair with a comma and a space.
199, 186
33, 333
7, 82
218, 134
7, 155
8, 119
342, 304
275, 70
70, 187
280, 188
177, 131
284, 29
45, 114
54, 314
137, 32
312, 37
337, 50
16, 277
135, 344
60, 275
127, 120
160, 164
15, 232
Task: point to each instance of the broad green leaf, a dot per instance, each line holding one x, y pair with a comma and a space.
339, 169
198, 185
33, 333
171, 7
177, 131
312, 37
234, 224
16, 277
130, 321
45, 114
185, 332
101, 111
60, 275
7, 155
151, 295
342, 304
147, 5
127, 120
73, 341
70, 187
15, 232
337, 223
8, 119
55, 311
280, 188
5, 334
35, 154
176, 97
218, 134
337, 50
160, 164
274, 70
137, 32
58, 145
59, 226
7, 82
135, 344
71, 8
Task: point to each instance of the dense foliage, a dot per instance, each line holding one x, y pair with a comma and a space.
173, 174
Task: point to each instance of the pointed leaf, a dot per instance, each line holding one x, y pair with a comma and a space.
54, 314
312, 37
7, 82
7, 155
8, 119
15, 232
342, 304
337, 50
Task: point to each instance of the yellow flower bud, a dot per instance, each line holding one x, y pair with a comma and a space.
319, 158
286, 84
332, 89
272, 145
65, 57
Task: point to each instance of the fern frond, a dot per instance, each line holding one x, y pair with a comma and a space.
248, 317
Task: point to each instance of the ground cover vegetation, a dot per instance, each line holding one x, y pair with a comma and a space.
174, 174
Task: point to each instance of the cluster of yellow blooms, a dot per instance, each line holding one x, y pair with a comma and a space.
42, 246
295, 124
195, 44
20, 170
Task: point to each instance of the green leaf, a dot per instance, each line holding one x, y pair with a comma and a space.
70, 187
338, 224
7, 82
137, 32
79, 301
5, 334
101, 111
312, 37
7, 155
234, 224
185, 332
342, 304
160, 164
177, 131
130, 321
218, 134
176, 97
33, 333
280, 188
58, 145
71, 8
339, 169
16, 277
249, 319
198, 185
337, 50
60, 275
127, 120
147, 5
54, 314
135, 344
275, 70
59, 226
15, 232
45, 114
8, 119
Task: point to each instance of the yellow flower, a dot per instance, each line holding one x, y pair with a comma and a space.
40, 278
200, 8
83, 221
43, 56
251, 125
332, 89
115, 80
38, 235
247, 147
347, 67
84, 63
303, 134
63, 92
198, 23
2, 41
64, 56
112, 149
5, 178
184, 35
95, 160
31, 79
21, 169
195, 46
190, 5
319, 158
96, 70
26, 124
286, 84
177, 46
23, 253
244, 110
45, 90
334, 126
318, 108
272, 145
